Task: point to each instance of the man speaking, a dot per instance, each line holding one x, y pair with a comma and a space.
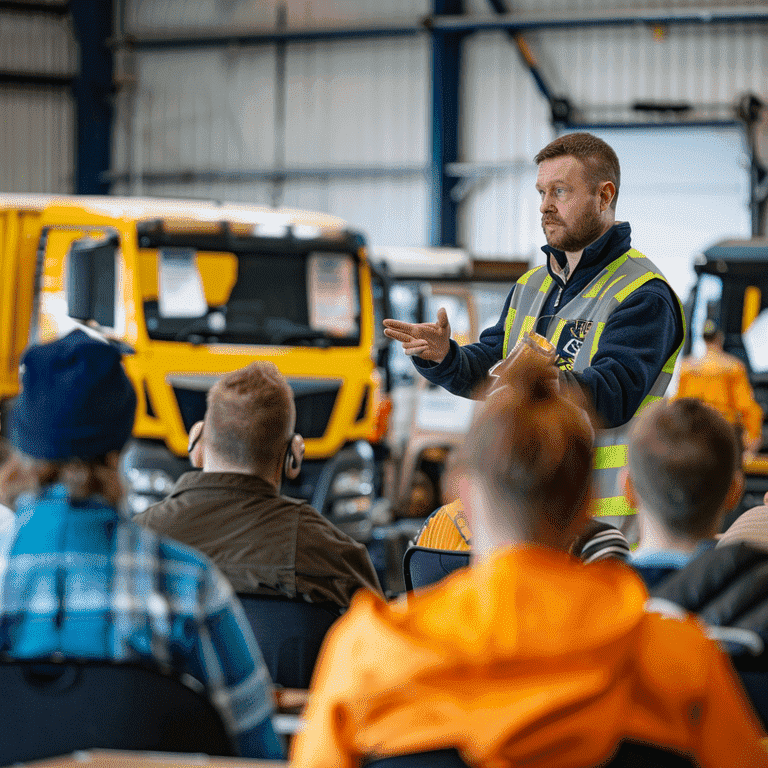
616, 324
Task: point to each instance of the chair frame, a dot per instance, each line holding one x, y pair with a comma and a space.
59, 705
416, 549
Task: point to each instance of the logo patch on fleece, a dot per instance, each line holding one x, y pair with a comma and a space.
570, 342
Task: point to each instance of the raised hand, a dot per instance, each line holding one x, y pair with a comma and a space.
429, 341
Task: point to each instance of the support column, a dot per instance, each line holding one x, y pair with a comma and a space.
446, 71
93, 95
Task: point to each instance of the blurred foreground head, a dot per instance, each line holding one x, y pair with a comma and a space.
74, 414
524, 471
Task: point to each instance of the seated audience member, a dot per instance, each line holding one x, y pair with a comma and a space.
81, 581
527, 657
232, 511
683, 476
447, 527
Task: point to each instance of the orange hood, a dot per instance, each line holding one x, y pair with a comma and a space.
527, 658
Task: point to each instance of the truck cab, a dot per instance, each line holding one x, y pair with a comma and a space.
191, 290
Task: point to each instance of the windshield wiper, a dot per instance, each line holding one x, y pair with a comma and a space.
270, 330
318, 337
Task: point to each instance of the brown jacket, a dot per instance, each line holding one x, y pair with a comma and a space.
260, 539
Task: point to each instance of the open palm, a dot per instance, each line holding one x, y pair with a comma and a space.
429, 341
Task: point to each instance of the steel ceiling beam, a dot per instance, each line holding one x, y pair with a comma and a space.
257, 38
37, 8
36, 80
512, 22
521, 22
268, 175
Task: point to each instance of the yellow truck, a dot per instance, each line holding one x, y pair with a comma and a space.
191, 290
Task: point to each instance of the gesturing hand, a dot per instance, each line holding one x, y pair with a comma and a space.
429, 341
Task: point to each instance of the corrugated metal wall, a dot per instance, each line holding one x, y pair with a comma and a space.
681, 189
367, 103
37, 148
359, 104
505, 123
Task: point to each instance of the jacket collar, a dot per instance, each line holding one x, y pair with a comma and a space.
617, 240
226, 480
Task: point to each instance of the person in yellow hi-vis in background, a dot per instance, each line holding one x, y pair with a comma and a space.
721, 381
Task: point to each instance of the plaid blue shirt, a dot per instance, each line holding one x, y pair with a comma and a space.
79, 580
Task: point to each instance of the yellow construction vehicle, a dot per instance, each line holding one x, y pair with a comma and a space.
191, 290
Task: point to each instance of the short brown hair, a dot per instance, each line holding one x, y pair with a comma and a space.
682, 459
250, 415
532, 449
600, 161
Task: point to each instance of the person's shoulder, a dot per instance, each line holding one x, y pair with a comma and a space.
599, 541
315, 529
301, 504
317, 532
659, 287
152, 514
170, 551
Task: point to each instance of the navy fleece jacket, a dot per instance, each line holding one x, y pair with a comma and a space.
637, 340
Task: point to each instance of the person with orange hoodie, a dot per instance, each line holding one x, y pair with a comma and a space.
527, 657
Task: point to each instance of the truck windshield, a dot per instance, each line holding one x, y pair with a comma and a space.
207, 297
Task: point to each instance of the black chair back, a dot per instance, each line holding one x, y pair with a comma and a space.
423, 566
289, 633
54, 708
629, 755
753, 673
438, 758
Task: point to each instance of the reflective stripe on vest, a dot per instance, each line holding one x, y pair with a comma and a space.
612, 286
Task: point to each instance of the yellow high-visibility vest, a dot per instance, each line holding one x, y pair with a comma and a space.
592, 308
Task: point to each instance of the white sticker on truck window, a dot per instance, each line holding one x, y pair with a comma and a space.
181, 289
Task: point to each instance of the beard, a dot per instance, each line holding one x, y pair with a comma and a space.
577, 236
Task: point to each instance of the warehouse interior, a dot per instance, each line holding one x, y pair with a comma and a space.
414, 122
349, 193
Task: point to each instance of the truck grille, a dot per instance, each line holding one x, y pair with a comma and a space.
314, 400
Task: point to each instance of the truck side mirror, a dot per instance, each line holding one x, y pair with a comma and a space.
91, 280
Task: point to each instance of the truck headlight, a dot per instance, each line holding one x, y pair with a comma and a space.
137, 503
349, 507
352, 482
153, 481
